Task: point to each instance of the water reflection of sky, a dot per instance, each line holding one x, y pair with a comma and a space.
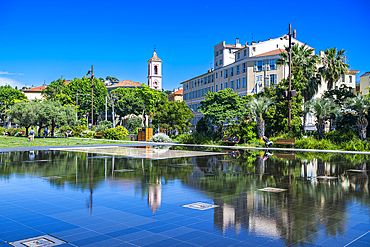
327, 197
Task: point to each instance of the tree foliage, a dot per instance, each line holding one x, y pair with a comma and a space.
8, 96
129, 101
258, 106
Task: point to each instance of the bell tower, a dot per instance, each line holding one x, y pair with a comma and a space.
155, 72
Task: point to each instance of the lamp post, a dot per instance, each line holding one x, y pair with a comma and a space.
289, 49
91, 71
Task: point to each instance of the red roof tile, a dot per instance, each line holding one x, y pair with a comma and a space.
126, 83
180, 92
34, 89
274, 52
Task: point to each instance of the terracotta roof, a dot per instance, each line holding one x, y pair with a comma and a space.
126, 83
67, 82
351, 71
34, 89
274, 52
155, 57
180, 91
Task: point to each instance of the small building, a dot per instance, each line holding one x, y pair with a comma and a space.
34, 93
176, 95
365, 83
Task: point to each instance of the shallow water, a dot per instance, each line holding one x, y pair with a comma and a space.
106, 199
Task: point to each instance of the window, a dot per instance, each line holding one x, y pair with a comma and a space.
238, 69
216, 75
238, 55
272, 64
232, 84
201, 82
277, 45
220, 73
211, 78
225, 85
259, 80
254, 48
231, 71
244, 67
245, 53
212, 88
195, 84
221, 51
259, 65
216, 63
230, 51
225, 74
216, 53
221, 86
343, 78
273, 79
309, 118
155, 69
244, 82
220, 61
237, 83
350, 79
216, 88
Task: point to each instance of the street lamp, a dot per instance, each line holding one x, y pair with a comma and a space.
290, 93
91, 71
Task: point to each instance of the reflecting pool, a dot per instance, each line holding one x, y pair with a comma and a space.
141, 197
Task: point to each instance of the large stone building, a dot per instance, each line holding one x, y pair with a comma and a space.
247, 69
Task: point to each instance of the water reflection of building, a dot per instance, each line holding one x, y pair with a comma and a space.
155, 195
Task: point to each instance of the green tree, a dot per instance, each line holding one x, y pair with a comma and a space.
173, 115
8, 96
83, 87
334, 66
304, 65
323, 110
111, 79
360, 105
25, 113
224, 106
54, 89
129, 101
152, 99
258, 107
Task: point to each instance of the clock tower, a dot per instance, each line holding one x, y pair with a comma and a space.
155, 72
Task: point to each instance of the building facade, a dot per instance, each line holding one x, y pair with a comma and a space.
365, 83
176, 95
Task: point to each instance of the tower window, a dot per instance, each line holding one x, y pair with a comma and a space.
156, 70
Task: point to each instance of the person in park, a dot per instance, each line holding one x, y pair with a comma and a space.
31, 136
268, 143
46, 132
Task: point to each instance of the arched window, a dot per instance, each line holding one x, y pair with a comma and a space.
156, 70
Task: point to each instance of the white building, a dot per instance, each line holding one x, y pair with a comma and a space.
155, 72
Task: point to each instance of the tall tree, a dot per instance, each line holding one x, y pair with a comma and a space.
53, 89
222, 107
360, 105
111, 79
334, 66
258, 106
323, 110
25, 113
8, 96
173, 115
129, 101
304, 66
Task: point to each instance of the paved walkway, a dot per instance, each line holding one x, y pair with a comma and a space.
136, 143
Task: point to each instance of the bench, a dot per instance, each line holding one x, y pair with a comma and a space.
98, 135
285, 142
227, 140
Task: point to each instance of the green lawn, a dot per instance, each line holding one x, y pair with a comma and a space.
23, 142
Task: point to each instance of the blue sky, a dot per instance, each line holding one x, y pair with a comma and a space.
42, 40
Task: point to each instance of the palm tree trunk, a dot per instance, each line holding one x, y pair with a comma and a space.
361, 127
260, 127
320, 128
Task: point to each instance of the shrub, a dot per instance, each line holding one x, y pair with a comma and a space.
134, 123
355, 145
160, 137
78, 129
2, 130
103, 126
118, 133
340, 136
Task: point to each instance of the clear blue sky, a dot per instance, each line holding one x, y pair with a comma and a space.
42, 40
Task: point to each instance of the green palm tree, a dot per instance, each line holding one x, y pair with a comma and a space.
334, 66
323, 110
304, 62
360, 105
258, 106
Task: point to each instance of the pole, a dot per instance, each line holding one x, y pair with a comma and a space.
106, 109
92, 96
76, 105
290, 74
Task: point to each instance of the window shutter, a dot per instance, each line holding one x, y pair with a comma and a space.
255, 65
268, 64
267, 81
263, 65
